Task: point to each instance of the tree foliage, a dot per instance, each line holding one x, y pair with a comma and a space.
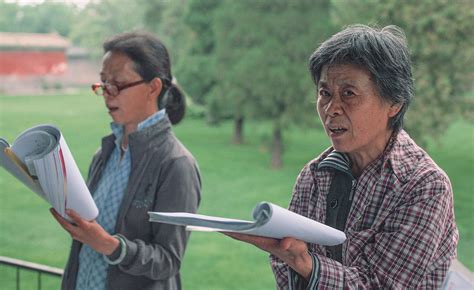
49, 16
102, 19
439, 34
262, 51
196, 68
165, 19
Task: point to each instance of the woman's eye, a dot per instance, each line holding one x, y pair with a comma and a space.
348, 93
324, 93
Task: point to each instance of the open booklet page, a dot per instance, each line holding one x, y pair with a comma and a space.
40, 159
270, 220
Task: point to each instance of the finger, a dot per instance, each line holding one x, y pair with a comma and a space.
264, 243
76, 218
242, 237
233, 235
286, 243
293, 245
63, 222
57, 216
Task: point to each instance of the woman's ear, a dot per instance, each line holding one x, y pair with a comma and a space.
156, 86
394, 109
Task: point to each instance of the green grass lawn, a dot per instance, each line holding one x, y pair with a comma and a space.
235, 178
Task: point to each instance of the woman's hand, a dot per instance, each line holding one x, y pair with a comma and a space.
87, 232
290, 250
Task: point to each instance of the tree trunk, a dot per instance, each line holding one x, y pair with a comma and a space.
277, 148
238, 130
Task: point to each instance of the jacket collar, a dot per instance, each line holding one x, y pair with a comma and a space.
337, 160
140, 141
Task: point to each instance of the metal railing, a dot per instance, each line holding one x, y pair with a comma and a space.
24, 265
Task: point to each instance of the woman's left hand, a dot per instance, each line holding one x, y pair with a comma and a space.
292, 251
87, 232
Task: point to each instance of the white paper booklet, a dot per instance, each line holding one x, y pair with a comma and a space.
40, 158
270, 220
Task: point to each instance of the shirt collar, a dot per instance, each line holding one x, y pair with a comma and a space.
402, 155
117, 129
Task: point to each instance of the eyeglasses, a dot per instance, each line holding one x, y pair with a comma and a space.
113, 90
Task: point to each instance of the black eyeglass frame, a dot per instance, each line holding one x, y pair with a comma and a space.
113, 90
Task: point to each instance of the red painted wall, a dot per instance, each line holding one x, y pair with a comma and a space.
32, 62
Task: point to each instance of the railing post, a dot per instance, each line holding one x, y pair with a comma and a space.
17, 278
39, 280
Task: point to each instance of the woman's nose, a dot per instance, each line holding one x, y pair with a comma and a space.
334, 107
107, 95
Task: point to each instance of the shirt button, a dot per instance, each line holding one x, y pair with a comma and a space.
333, 203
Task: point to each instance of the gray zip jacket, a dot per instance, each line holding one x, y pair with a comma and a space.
164, 177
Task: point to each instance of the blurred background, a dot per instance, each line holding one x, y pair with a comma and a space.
251, 120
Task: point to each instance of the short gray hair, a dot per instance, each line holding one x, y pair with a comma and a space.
383, 52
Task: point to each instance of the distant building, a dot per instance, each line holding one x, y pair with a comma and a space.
28, 54
33, 63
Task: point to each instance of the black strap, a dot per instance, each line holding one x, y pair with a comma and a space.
338, 201
338, 205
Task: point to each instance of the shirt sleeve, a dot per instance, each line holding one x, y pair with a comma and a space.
280, 271
161, 258
412, 249
296, 282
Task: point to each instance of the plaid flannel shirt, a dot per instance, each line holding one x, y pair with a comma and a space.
400, 230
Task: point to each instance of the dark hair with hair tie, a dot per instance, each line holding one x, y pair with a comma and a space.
151, 60
383, 52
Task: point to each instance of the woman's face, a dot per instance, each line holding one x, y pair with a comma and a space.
353, 113
132, 105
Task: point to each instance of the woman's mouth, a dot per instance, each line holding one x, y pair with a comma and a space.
112, 109
336, 130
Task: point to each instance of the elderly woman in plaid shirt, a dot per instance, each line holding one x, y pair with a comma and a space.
393, 202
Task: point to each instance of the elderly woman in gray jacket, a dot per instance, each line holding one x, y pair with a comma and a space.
140, 167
